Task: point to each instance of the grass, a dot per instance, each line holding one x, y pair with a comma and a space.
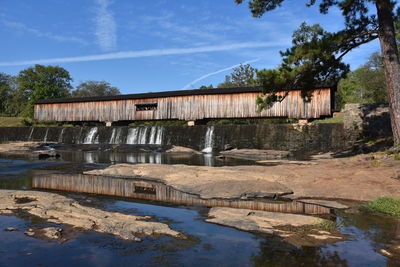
385, 205
329, 120
329, 226
11, 121
251, 121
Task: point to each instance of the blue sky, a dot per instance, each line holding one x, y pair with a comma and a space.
157, 45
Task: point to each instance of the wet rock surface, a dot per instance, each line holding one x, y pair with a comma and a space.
62, 210
284, 225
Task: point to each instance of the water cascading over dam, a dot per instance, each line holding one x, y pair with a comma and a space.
318, 137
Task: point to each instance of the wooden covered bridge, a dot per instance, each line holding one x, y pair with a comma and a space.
188, 105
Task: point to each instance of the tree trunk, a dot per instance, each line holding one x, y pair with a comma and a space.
390, 54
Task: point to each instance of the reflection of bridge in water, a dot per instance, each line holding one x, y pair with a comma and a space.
149, 190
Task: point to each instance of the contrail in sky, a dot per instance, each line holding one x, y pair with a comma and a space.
216, 72
144, 53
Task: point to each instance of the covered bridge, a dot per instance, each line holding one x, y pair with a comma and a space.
189, 105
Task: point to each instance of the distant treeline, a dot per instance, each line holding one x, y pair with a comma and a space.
19, 93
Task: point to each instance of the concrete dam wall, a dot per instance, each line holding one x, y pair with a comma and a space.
310, 137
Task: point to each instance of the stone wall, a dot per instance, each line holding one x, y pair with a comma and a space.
309, 137
366, 121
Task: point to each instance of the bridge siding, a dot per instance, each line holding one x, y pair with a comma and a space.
194, 107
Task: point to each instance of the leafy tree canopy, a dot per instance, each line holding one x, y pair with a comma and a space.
95, 88
42, 82
5, 89
206, 87
319, 59
316, 54
365, 84
244, 75
311, 61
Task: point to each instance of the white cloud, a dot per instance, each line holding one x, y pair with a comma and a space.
192, 83
106, 27
20, 27
145, 53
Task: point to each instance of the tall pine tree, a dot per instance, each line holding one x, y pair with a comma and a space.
361, 26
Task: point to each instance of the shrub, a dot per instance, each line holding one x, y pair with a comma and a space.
385, 205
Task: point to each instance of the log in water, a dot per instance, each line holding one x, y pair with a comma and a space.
142, 189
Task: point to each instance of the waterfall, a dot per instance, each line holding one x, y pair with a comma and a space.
45, 136
145, 135
160, 132
156, 135
153, 132
209, 140
116, 136
113, 134
91, 137
60, 137
132, 137
31, 134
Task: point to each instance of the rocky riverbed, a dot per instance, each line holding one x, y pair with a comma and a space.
63, 210
359, 178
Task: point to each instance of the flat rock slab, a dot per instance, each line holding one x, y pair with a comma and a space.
272, 223
286, 162
207, 182
256, 154
325, 203
254, 220
62, 210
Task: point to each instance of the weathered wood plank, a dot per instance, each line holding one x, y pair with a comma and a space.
195, 107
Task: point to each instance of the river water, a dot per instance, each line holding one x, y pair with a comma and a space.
208, 245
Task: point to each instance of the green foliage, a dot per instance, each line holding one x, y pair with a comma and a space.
316, 55
42, 82
329, 226
385, 205
329, 120
4, 91
95, 88
159, 123
244, 75
250, 121
8, 96
310, 62
364, 85
206, 87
